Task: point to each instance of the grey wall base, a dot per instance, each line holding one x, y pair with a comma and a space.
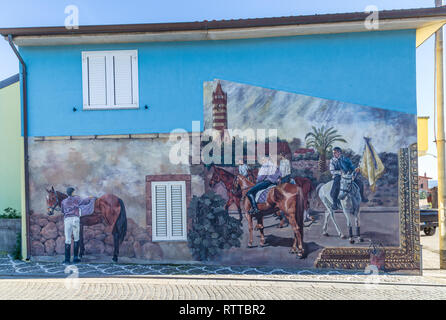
8, 234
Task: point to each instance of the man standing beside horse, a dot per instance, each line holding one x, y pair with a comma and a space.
71, 211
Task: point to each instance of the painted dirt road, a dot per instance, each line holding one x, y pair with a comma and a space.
279, 240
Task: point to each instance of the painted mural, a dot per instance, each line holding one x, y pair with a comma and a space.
314, 135
325, 150
98, 167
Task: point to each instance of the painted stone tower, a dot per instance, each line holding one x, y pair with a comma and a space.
219, 111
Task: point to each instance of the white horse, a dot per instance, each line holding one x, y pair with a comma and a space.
350, 198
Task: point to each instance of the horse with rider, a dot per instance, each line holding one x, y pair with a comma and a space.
345, 192
268, 195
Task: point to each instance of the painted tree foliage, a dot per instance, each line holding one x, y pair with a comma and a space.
322, 140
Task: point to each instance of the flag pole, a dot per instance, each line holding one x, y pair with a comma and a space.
440, 141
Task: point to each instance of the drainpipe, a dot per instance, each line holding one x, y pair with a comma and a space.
25, 140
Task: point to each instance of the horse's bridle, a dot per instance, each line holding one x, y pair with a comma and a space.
234, 190
241, 189
347, 191
54, 207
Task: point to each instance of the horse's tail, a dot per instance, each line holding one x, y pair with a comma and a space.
121, 222
300, 209
312, 193
318, 188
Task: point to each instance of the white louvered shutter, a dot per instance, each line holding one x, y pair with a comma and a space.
160, 212
169, 210
122, 68
95, 89
110, 79
176, 208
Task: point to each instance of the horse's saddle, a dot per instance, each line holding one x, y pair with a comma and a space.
263, 194
87, 207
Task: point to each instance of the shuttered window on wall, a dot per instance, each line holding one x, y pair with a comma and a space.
169, 211
110, 79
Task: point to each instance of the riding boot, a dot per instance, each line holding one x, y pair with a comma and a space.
358, 232
76, 252
334, 193
67, 253
254, 210
334, 206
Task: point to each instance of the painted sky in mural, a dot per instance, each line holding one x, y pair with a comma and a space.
257, 107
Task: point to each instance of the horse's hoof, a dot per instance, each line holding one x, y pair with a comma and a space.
352, 241
343, 236
325, 234
300, 255
293, 251
360, 239
115, 260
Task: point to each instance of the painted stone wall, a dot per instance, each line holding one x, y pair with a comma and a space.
95, 167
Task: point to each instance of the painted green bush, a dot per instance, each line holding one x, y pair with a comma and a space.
213, 229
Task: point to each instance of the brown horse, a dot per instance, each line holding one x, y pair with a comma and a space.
287, 198
307, 189
227, 178
108, 208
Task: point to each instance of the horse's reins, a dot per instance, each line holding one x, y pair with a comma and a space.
351, 185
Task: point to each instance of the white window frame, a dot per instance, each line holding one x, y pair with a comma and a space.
169, 237
110, 79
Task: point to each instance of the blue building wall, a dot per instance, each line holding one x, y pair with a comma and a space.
372, 68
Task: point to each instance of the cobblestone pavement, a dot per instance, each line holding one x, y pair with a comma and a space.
33, 280
199, 288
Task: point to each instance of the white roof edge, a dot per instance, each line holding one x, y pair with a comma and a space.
225, 34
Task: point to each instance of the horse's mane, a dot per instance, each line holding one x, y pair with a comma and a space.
245, 179
61, 195
225, 171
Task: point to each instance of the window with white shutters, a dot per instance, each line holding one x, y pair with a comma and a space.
169, 210
110, 79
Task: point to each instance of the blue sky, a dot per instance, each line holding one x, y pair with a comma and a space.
32, 13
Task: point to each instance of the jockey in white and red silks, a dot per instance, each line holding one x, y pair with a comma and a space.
268, 174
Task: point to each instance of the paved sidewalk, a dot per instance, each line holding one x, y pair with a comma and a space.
31, 280
199, 288
38, 280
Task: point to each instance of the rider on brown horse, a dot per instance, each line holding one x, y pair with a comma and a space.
268, 174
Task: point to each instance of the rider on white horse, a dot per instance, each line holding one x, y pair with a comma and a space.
268, 174
339, 164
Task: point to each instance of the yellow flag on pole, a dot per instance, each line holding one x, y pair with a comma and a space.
371, 165
423, 139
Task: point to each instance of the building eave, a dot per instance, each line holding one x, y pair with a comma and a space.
226, 29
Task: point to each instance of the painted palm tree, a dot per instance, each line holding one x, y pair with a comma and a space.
322, 140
